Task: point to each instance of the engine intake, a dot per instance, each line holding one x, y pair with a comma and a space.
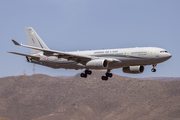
97, 64
133, 69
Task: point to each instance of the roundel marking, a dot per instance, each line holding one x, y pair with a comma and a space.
46, 58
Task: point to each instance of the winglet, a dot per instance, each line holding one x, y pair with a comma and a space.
16, 43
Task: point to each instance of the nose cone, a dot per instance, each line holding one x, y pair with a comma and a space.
164, 56
167, 56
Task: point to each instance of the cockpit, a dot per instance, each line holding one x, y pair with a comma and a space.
163, 51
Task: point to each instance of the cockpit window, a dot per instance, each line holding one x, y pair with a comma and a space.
163, 51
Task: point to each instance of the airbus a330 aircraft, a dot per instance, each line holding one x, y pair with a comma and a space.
131, 60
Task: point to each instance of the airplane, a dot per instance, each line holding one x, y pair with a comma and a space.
131, 60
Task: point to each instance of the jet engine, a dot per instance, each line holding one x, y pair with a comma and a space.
97, 64
133, 69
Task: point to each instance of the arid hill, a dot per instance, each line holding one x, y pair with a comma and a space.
3, 118
41, 97
161, 78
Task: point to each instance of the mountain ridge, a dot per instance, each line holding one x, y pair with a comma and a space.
160, 78
42, 97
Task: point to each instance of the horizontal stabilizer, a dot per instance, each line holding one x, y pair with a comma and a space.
36, 57
16, 43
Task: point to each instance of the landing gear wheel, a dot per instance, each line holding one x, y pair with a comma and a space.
83, 75
102, 77
109, 74
153, 70
89, 72
105, 78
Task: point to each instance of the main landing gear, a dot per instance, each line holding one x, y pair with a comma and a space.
153, 69
108, 74
86, 72
89, 72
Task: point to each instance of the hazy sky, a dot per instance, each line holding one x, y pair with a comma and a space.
68, 25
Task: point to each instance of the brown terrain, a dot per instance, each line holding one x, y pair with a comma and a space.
41, 97
3, 118
161, 78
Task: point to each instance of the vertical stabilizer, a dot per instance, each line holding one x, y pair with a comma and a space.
34, 40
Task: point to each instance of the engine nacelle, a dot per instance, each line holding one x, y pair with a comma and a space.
97, 64
133, 69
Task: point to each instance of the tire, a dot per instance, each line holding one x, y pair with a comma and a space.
109, 74
85, 75
105, 78
102, 77
82, 74
89, 72
153, 70
86, 71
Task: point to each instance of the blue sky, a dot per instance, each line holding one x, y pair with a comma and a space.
68, 25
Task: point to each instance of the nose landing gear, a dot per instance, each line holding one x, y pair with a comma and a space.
153, 69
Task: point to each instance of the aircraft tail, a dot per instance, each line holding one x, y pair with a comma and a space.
34, 40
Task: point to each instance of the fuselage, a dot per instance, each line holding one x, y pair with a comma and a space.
124, 57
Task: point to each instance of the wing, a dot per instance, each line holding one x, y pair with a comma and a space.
74, 57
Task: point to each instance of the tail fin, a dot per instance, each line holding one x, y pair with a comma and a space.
34, 40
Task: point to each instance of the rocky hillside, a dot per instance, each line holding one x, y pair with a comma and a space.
3, 118
41, 97
161, 78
